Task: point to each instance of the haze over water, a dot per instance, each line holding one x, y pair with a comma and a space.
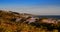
36, 7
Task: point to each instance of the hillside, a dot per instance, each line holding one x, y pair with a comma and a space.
8, 23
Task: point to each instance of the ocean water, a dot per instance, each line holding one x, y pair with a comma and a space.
50, 16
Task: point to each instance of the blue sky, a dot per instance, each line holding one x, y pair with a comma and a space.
32, 6
30, 2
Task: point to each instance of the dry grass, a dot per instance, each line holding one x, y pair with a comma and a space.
11, 26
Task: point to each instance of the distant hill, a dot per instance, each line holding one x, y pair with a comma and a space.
15, 14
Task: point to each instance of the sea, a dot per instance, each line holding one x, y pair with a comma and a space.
50, 16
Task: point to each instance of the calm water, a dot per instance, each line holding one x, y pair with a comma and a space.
50, 16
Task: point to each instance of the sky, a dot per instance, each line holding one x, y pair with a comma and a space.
37, 7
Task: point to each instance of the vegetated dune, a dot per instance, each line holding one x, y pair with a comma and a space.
8, 23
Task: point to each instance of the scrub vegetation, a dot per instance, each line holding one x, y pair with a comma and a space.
8, 23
